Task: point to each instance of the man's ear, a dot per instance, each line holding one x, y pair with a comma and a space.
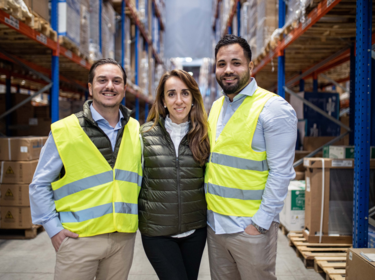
90, 88
251, 66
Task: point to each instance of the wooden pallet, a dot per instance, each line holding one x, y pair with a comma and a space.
309, 251
285, 231
44, 27
295, 237
29, 233
330, 266
68, 44
16, 11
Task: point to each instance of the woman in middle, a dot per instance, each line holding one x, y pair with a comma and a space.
172, 206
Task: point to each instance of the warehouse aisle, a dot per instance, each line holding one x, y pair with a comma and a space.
35, 259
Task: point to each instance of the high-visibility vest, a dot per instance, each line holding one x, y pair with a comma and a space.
236, 175
92, 198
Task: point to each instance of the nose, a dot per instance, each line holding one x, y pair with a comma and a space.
228, 69
179, 99
109, 85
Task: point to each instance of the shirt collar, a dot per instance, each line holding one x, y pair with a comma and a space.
247, 91
172, 125
98, 117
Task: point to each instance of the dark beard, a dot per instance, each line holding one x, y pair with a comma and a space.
235, 88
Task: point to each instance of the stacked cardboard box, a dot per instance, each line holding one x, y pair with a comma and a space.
108, 31
19, 158
267, 22
337, 215
40, 7
343, 152
360, 264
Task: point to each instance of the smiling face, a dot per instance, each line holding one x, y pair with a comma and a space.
178, 99
233, 69
108, 87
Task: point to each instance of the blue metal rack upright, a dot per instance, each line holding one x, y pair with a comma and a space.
55, 66
362, 123
281, 55
239, 19
123, 41
136, 59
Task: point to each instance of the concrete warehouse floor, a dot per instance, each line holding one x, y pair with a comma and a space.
35, 260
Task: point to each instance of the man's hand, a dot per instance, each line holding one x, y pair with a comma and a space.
58, 238
251, 230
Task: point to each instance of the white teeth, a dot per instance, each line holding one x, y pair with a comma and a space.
180, 110
108, 94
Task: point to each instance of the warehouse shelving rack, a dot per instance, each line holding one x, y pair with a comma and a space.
28, 55
124, 7
335, 32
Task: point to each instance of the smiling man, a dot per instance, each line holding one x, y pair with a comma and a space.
85, 198
253, 135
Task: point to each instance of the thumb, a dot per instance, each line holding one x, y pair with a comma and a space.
71, 234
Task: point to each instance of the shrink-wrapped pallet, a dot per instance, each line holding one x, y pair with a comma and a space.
252, 26
84, 26
69, 20
245, 21
94, 46
108, 30
267, 22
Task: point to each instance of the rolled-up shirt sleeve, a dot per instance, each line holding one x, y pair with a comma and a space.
279, 122
43, 210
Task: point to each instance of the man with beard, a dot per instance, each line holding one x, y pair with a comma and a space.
252, 137
85, 198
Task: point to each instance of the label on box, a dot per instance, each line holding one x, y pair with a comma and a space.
329, 2
342, 163
298, 200
24, 149
307, 184
33, 121
305, 162
350, 256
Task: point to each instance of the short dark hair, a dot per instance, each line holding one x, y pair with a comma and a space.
102, 62
230, 39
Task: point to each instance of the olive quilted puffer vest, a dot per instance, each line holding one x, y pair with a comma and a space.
172, 199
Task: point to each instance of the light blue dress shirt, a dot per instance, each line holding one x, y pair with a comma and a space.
275, 133
43, 211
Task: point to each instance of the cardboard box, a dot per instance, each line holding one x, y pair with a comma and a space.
301, 154
40, 7
15, 172
15, 217
293, 214
360, 264
21, 148
339, 152
300, 176
42, 112
14, 195
342, 152
313, 143
338, 199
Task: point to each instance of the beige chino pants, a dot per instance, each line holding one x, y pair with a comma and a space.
106, 256
242, 256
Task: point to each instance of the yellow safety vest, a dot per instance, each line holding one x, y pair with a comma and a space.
236, 175
92, 198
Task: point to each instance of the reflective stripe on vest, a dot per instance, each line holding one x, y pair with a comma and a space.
235, 174
239, 163
92, 198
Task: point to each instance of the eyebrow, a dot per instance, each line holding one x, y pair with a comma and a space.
116, 77
234, 59
184, 89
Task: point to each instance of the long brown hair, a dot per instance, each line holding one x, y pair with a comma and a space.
198, 135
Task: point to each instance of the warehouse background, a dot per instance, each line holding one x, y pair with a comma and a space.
317, 54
